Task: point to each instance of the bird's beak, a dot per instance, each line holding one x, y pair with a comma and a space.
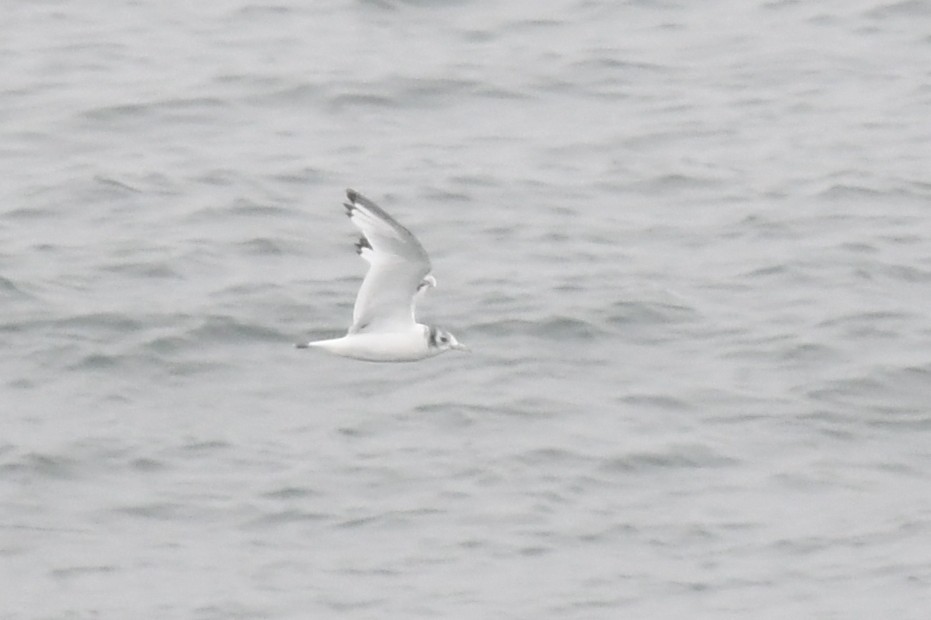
461, 347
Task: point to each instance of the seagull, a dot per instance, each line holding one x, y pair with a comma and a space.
383, 325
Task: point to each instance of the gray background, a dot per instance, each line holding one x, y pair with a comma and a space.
689, 243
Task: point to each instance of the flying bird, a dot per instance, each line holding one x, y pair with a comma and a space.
384, 327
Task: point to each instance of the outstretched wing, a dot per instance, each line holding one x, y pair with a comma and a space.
398, 267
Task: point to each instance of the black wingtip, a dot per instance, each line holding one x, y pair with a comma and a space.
301, 345
352, 194
362, 243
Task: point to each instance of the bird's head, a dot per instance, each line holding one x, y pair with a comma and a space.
442, 340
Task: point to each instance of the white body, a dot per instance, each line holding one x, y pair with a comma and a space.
401, 346
383, 326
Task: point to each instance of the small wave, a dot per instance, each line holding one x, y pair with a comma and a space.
677, 457
212, 329
906, 9
247, 207
568, 328
845, 192
109, 322
808, 352
272, 93
244, 209
907, 273
290, 492
262, 246
205, 447
226, 329
657, 401
882, 395
181, 352
160, 511
607, 60
649, 313
118, 187
138, 112
867, 323
142, 185
258, 11
410, 93
559, 328
44, 465
362, 100
476, 180
554, 456
147, 464
148, 269
9, 289
302, 177
31, 213
98, 361
290, 515
80, 571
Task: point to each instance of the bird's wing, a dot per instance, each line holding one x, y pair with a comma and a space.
398, 266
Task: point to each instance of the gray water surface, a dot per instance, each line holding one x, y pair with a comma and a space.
689, 244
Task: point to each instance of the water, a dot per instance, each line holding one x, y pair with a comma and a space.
689, 243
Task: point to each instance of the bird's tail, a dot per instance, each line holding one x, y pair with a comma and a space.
315, 343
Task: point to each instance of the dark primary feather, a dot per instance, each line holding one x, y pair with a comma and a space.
362, 243
355, 199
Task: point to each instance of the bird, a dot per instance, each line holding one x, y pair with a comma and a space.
384, 327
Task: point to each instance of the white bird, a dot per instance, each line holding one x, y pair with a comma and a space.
383, 325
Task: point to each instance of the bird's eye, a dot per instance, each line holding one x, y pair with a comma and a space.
444, 339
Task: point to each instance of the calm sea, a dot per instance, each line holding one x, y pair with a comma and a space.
688, 242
